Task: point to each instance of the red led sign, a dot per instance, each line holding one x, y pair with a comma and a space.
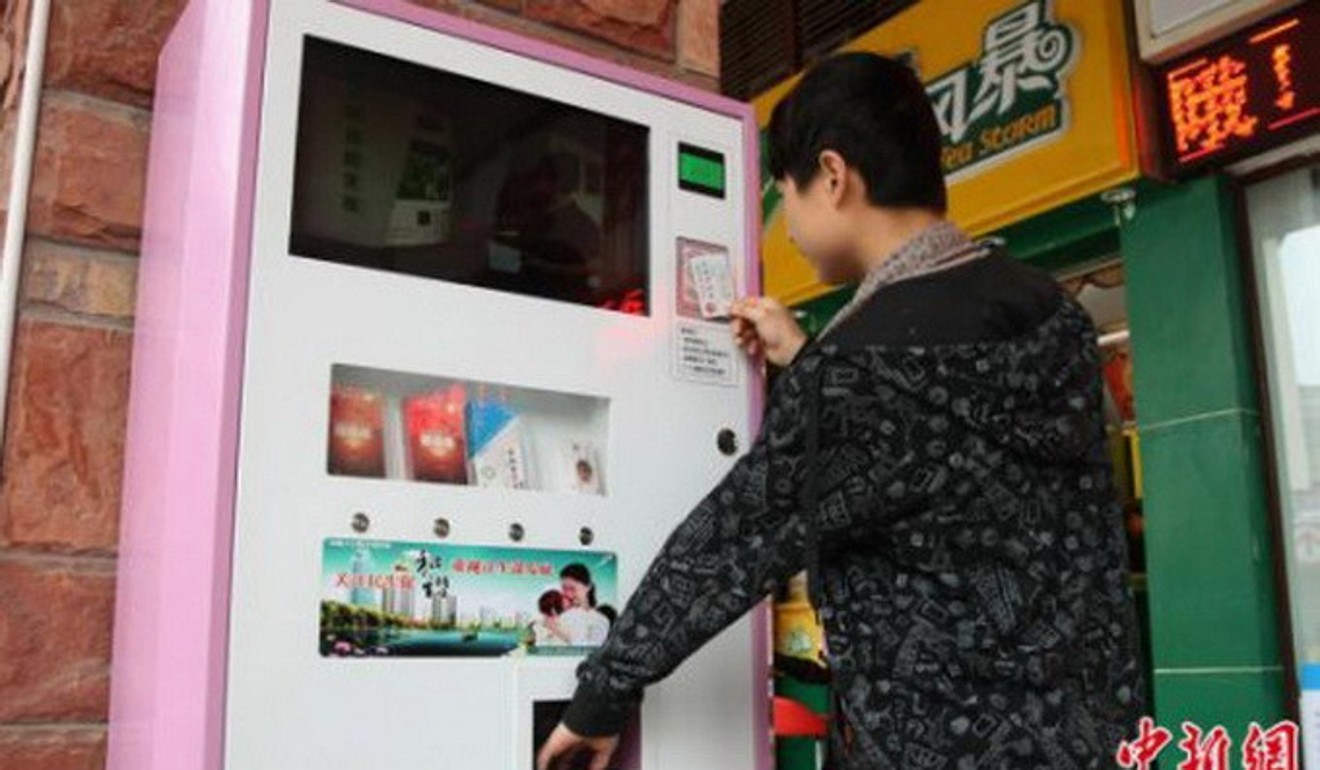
1255, 90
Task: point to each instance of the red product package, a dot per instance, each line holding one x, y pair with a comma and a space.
357, 445
1118, 376
437, 442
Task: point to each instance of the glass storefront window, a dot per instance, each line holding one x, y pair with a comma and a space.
1284, 216
415, 170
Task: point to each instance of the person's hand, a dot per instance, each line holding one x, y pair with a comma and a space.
563, 742
761, 324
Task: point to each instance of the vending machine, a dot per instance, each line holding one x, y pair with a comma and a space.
432, 355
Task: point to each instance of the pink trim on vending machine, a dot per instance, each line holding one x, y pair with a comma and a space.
172, 599
762, 626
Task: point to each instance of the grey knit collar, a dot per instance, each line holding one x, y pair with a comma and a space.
938, 247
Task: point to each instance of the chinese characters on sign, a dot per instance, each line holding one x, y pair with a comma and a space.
1272, 749
485, 567
1014, 95
1208, 103
1283, 74
1245, 94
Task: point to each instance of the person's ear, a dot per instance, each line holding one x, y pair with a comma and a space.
834, 176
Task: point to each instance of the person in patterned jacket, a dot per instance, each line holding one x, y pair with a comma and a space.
935, 459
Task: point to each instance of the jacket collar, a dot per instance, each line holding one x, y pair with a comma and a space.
940, 246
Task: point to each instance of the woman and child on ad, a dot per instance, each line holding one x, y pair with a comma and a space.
570, 616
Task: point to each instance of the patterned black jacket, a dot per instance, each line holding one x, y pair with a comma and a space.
938, 464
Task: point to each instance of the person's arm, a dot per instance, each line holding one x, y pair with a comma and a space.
555, 630
745, 537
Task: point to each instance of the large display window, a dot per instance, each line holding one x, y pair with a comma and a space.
414, 170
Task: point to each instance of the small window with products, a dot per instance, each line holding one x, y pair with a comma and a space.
411, 427
414, 170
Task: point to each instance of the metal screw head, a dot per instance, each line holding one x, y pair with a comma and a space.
361, 522
586, 536
1118, 196
1124, 202
516, 532
441, 528
727, 441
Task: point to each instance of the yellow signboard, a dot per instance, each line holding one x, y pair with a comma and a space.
1034, 100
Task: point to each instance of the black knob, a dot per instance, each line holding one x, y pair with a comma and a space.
727, 441
361, 522
441, 528
586, 536
517, 533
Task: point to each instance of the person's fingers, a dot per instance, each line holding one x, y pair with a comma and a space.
745, 334
601, 760
549, 752
559, 742
751, 309
740, 312
572, 756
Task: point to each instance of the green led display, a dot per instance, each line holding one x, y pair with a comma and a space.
701, 171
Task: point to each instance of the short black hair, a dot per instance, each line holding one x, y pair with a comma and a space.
874, 112
577, 571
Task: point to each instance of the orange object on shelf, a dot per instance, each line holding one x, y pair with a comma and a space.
357, 445
437, 440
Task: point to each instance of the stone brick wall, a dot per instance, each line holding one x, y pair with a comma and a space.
60, 490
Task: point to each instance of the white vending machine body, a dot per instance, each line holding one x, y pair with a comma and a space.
473, 352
